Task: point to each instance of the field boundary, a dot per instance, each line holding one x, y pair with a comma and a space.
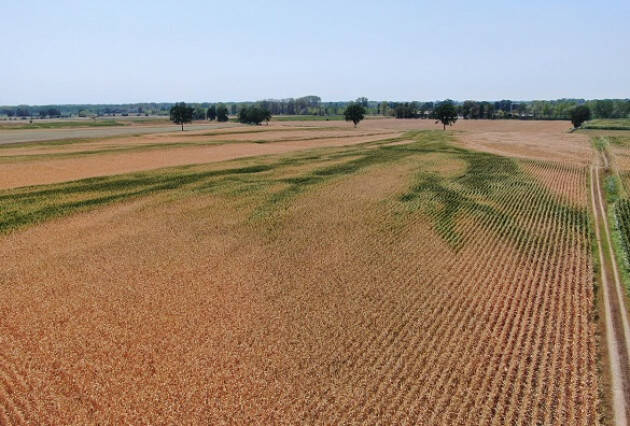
615, 317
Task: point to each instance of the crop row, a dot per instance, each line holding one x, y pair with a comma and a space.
500, 329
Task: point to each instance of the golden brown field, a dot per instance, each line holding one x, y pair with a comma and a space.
301, 273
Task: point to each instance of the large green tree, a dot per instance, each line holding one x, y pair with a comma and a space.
180, 114
604, 108
354, 112
579, 115
212, 112
254, 114
222, 113
199, 113
384, 108
446, 113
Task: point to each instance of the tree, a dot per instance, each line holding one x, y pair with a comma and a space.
266, 115
53, 112
384, 107
406, 110
579, 115
468, 109
604, 108
363, 101
254, 115
222, 113
354, 112
426, 109
291, 106
180, 114
212, 113
445, 113
199, 113
22, 111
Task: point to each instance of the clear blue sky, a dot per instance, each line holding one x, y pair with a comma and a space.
137, 51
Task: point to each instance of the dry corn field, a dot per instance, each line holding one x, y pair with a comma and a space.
385, 275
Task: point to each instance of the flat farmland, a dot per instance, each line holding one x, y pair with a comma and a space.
70, 159
316, 273
44, 130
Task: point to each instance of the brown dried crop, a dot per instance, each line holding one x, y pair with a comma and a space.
26, 171
432, 286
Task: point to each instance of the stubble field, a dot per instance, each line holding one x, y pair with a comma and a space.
318, 274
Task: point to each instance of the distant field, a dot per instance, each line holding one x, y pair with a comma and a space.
307, 118
101, 132
61, 124
382, 274
608, 124
146, 120
281, 118
55, 161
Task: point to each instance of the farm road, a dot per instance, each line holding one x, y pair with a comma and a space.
616, 319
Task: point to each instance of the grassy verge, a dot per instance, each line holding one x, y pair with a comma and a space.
608, 124
619, 218
612, 188
600, 143
618, 212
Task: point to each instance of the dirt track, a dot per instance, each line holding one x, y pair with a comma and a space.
616, 320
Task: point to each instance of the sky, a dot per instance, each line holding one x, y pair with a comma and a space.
195, 51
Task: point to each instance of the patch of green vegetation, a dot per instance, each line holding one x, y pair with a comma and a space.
361, 159
619, 140
619, 218
481, 191
276, 180
600, 143
23, 206
63, 124
612, 188
608, 124
28, 205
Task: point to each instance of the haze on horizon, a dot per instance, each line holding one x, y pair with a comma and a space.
152, 51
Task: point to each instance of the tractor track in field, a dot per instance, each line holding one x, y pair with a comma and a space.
615, 315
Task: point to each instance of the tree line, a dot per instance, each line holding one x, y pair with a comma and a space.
312, 105
507, 109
